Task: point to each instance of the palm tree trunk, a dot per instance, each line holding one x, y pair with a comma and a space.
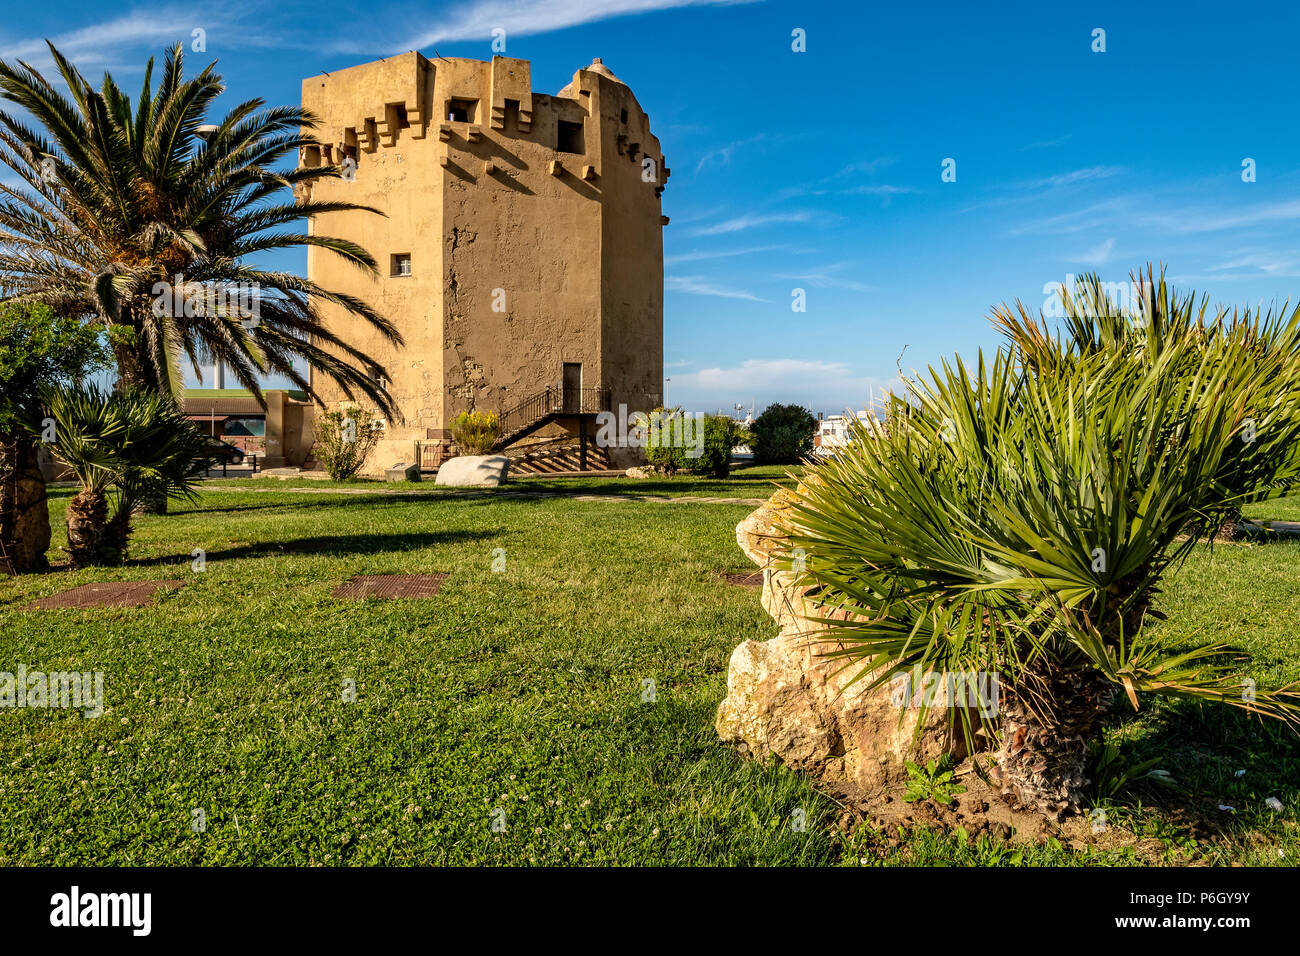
135, 370
24, 509
87, 518
117, 533
1047, 722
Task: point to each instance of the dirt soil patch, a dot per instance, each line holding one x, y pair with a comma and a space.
982, 811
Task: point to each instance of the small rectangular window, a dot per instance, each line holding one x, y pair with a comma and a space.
568, 137
622, 116
461, 111
401, 264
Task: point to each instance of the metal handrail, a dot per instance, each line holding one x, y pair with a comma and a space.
553, 400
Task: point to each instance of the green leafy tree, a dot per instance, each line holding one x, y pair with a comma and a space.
1018, 518
782, 435
126, 212
37, 349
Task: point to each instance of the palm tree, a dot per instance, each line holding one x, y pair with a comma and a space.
128, 212
1018, 519
1156, 320
128, 444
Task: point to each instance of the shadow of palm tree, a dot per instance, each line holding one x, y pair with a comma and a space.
334, 545
1215, 757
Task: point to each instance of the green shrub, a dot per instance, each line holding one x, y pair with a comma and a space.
721, 435
672, 440
661, 450
782, 435
345, 439
476, 433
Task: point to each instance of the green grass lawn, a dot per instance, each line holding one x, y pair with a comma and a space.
520, 690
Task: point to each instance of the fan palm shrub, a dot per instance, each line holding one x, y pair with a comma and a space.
136, 214
123, 447
1017, 519
1155, 319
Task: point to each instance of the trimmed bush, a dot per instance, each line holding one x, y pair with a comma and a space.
476, 433
783, 435
721, 435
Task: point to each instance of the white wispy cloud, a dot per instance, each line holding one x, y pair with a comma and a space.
1088, 174
751, 221
829, 277
1200, 220
1274, 263
1046, 143
1098, 255
866, 167
839, 183
476, 20
104, 45
721, 155
701, 285
819, 385
885, 191
696, 255
1108, 213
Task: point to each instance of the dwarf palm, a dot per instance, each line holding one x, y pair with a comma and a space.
1019, 518
1155, 321
122, 447
131, 215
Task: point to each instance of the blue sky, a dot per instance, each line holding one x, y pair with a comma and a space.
821, 170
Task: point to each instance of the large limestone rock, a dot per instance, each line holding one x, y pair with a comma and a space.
786, 699
473, 471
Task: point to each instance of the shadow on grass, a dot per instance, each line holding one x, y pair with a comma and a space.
1215, 757
334, 545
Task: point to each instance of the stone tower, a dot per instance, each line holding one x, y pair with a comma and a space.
521, 246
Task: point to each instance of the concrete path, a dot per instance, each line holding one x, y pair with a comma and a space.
495, 493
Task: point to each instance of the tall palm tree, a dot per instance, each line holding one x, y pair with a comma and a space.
1018, 519
123, 203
